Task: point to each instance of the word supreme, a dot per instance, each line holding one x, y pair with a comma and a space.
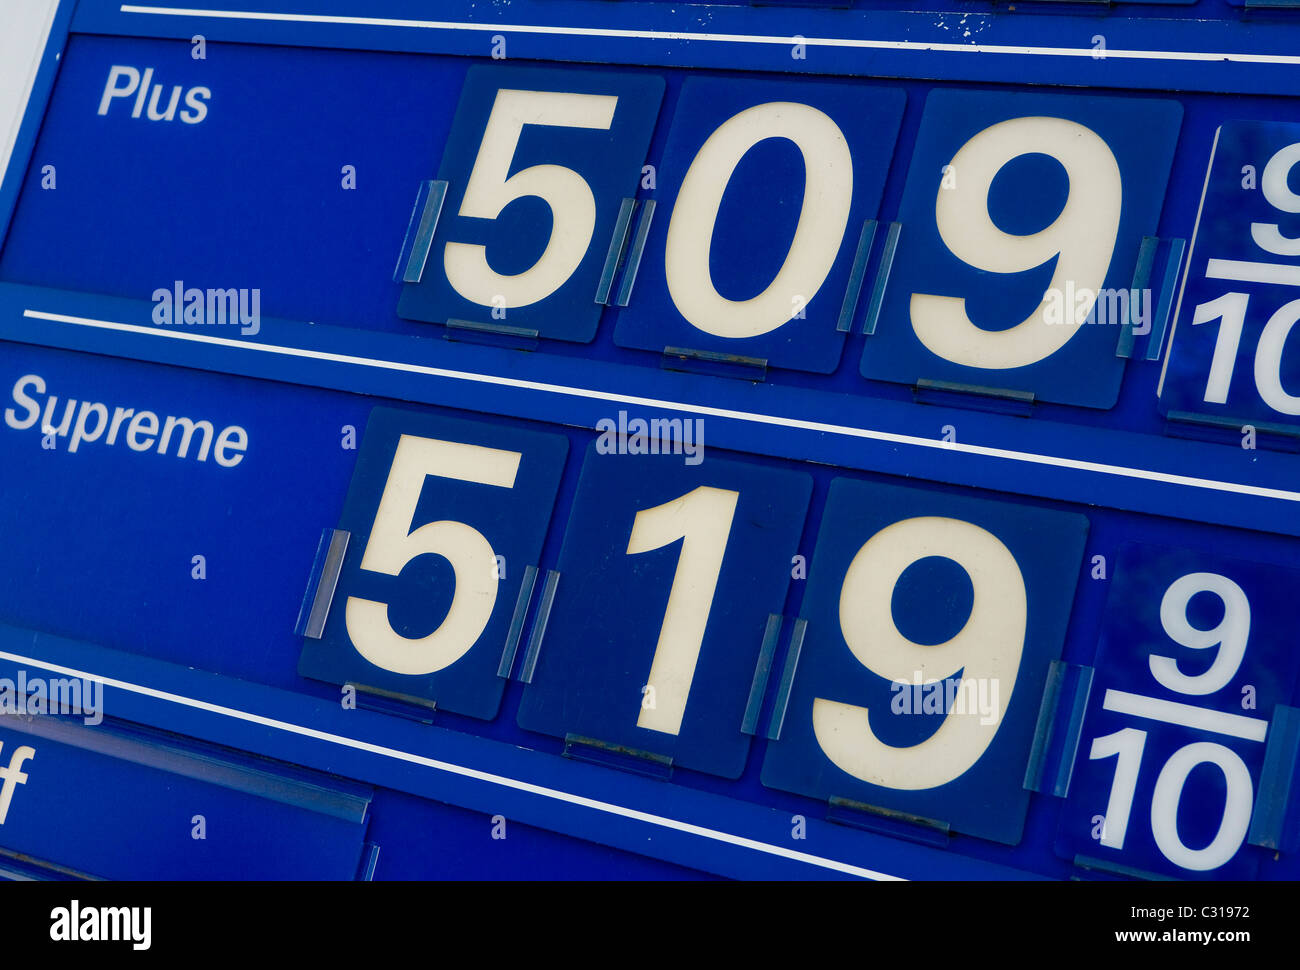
85, 422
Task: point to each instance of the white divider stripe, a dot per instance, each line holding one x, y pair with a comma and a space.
613, 32
1076, 464
484, 776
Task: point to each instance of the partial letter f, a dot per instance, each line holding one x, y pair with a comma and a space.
13, 777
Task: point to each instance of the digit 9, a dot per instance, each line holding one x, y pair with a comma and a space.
988, 646
1229, 634
1081, 239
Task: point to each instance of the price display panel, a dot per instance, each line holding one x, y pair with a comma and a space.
932, 623
707, 552
568, 147
1229, 363
1194, 673
422, 505
802, 165
633, 440
992, 179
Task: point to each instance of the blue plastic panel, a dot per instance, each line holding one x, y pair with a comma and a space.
812, 176
1018, 178
530, 255
115, 804
1228, 361
1174, 737
444, 516
947, 704
609, 627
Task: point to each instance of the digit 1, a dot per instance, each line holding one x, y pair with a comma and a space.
702, 520
1126, 746
1231, 309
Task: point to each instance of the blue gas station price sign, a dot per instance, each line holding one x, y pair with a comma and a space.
1229, 359
1019, 211
861, 601
1195, 661
444, 517
932, 620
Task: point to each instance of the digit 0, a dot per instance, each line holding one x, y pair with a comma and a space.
828, 193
